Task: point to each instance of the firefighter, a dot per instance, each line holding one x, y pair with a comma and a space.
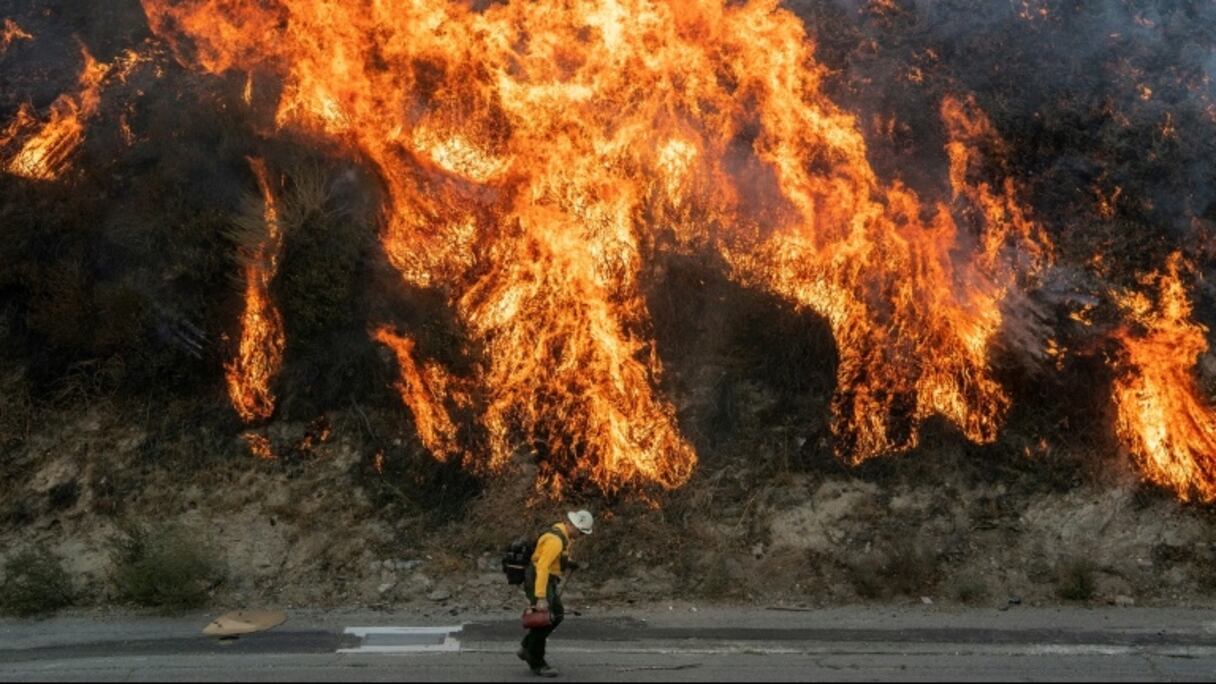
542, 584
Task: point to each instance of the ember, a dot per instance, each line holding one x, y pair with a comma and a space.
10, 32
259, 446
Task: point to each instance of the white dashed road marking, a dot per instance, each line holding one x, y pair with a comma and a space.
405, 639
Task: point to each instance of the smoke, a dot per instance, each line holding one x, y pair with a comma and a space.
1093, 96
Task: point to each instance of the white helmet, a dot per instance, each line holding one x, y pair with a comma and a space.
581, 520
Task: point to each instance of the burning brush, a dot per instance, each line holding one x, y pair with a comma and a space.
533, 157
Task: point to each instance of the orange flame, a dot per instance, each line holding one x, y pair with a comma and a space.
45, 155
912, 322
23, 121
260, 354
1161, 412
10, 32
259, 446
423, 389
535, 152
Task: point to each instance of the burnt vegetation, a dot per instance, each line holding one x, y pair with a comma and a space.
120, 289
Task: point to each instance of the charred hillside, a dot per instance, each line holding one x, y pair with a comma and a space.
886, 298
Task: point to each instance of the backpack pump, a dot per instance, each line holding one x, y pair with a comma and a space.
518, 556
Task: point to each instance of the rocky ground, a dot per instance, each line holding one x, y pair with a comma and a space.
325, 530
111, 416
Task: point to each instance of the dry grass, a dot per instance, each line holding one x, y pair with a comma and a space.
504, 510
969, 589
902, 568
35, 582
1205, 578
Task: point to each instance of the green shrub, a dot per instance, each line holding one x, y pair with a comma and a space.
1076, 581
17, 411
163, 566
1205, 579
866, 573
716, 582
900, 568
35, 582
970, 589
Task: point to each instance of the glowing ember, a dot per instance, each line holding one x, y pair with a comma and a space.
532, 150
259, 446
124, 129
260, 354
1162, 415
10, 32
318, 433
247, 93
23, 121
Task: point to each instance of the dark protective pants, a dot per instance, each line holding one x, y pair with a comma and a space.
534, 642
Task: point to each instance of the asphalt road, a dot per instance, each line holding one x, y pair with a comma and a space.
711, 644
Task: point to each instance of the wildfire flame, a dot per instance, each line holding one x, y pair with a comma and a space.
423, 389
45, 155
1161, 411
534, 155
259, 446
919, 348
10, 32
260, 353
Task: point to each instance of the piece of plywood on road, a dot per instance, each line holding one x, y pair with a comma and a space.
240, 622
389, 640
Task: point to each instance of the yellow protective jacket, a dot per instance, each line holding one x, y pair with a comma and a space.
550, 558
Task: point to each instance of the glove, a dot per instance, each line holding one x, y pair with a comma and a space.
541, 604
